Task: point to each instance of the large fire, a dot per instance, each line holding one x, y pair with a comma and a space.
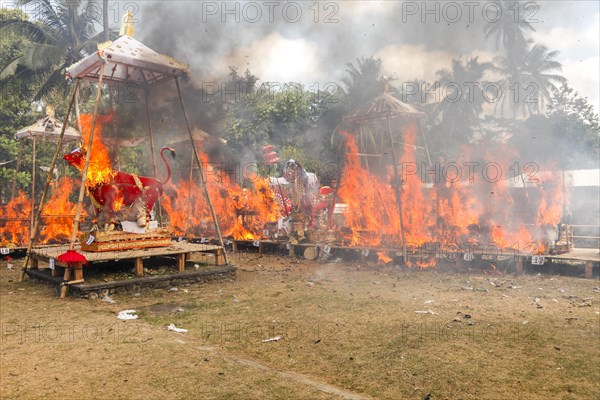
57, 217
449, 211
242, 212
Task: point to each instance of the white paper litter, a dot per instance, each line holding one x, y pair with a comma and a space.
426, 312
173, 328
126, 315
273, 339
108, 299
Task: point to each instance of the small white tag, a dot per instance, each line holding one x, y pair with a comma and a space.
256, 243
90, 240
468, 257
227, 242
203, 240
365, 252
538, 260
4, 251
288, 246
326, 249
51, 262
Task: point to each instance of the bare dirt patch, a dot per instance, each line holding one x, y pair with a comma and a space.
341, 330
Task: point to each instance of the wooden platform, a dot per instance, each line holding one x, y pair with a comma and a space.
134, 285
182, 250
589, 259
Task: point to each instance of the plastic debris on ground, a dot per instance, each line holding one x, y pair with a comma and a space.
273, 339
426, 312
126, 315
108, 299
173, 328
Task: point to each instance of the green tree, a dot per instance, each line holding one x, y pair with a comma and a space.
363, 81
509, 29
462, 103
60, 36
529, 79
574, 121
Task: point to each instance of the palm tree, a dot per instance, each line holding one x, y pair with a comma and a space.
58, 38
539, 67
528, 78
508, 30
363, 82
463, 101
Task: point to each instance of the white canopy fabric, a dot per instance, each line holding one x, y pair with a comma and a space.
48, 128
127, 61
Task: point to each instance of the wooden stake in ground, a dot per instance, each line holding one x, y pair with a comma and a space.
202, 176
33, 232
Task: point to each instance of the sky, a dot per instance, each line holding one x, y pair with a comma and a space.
311, 42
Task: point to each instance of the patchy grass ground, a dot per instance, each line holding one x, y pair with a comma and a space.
347, 331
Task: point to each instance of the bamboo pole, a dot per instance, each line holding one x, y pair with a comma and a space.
397, 189
202, 176
152, 150
33, 232
424, 141
31, 214
87, 163
189, 197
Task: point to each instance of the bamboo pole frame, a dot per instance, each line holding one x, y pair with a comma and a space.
152, 149
397, 190
201, 171
67, 276
87, 163
33, 174
33, 232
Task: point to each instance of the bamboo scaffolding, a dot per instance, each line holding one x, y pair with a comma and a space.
33, 232
201, 171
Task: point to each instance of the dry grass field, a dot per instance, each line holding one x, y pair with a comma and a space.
347, 331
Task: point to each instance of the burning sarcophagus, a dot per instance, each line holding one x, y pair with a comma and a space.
123, 202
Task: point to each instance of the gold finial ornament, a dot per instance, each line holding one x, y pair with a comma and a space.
127, 25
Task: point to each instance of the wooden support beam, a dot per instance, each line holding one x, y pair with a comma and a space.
588, 270
78, 273
220, 257
139, 266
519, 266
67, 277
181, 262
